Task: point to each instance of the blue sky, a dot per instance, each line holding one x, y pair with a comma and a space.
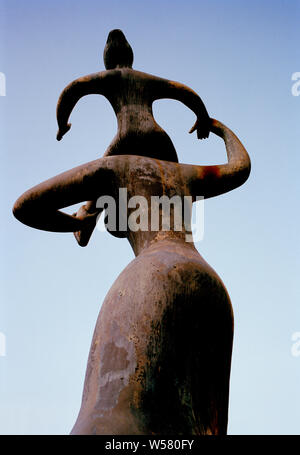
239, 57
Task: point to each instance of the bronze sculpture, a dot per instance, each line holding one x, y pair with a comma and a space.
131, 94
161, 352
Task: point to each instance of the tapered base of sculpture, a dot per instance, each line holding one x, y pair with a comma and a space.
161, 352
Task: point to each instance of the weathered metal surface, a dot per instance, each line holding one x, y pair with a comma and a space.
167, 325
131, 94
160, 357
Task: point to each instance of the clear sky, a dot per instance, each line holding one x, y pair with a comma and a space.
239, 56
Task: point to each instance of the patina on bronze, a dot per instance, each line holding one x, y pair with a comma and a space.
161, 352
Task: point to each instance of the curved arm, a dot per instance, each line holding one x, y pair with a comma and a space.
209, 181
39, 206
87, 85
184, 94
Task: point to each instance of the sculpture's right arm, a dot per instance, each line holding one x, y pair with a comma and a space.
209, 181
40, 206
180, 92
87, 85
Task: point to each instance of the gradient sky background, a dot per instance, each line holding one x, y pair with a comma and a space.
239, 56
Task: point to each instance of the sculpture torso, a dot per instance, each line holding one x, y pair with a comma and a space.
131, 94
164, 356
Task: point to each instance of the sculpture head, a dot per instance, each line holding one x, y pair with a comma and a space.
117, 52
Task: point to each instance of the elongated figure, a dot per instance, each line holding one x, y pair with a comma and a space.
160, 358
131, 94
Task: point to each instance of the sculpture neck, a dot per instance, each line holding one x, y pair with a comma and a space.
141, 241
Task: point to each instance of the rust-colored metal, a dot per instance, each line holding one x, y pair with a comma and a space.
160, 356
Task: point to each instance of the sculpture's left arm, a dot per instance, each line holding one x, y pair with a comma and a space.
184, 94
209, 181
40, 206
91, 84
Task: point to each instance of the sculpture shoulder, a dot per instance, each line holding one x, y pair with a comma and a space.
158, 87
111, 79
94, 82
139, 76
109, 82
149, 173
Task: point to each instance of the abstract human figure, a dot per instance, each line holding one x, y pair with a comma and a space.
131, 94
160, 357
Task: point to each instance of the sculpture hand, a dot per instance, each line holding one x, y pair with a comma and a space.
202, 127
62, 131
89, 223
